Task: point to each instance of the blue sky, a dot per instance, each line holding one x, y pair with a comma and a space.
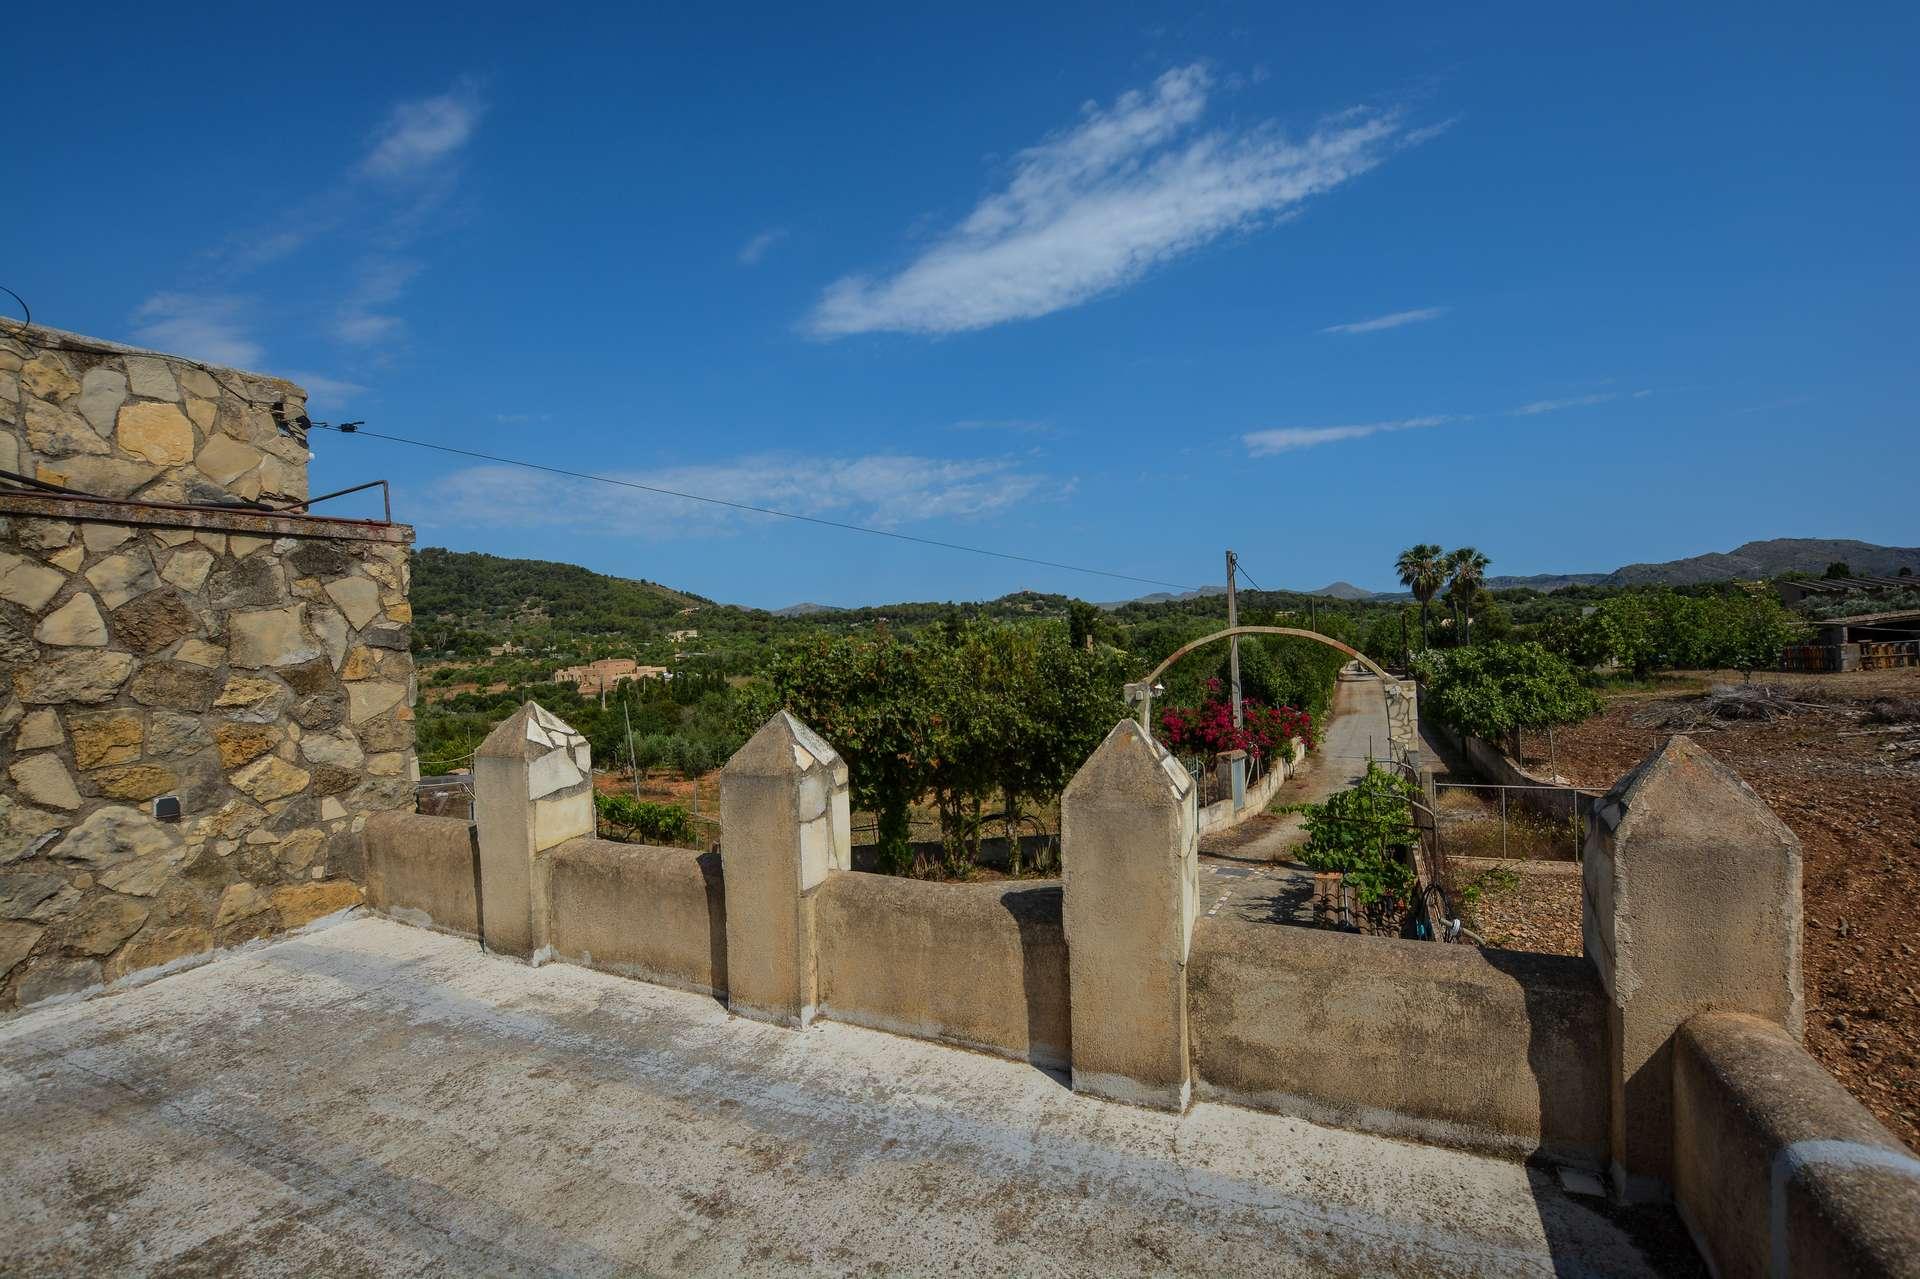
1118, 288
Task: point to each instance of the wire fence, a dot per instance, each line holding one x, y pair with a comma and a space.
1525, 823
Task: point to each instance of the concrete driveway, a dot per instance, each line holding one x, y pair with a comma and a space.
371, 1099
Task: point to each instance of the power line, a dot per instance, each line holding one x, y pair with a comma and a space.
757, 510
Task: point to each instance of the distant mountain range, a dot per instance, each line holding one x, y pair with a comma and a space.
1343, 591
1764, 559
1752, 560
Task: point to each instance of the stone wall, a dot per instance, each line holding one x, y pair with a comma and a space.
116, 422
253, 668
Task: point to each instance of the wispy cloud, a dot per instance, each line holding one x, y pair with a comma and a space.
1427, 133
1096, 206
1393, 321
1018, 425
368, 218
1288, 438
419, 135
364, 317
753, 250
1571, 402
326, 393
883, 490
203, 326
1787, 403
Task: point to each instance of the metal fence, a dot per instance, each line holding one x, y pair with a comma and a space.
1531, 823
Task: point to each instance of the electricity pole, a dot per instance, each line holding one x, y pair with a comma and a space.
633, 761
1233, 644
1238, 768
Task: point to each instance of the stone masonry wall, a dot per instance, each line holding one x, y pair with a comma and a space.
260, 677
116, 422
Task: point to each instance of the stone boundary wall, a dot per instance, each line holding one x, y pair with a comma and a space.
1777, 1170
252, 669
983, 966
1488, 1050
118, 422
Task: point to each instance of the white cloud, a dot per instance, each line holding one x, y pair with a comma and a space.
753, 250
883, 490
326, 393
1287, 439
1096, 206
1019, 425
418, 135
1428, 133
1571, 402
1392, 321
362, 319
376, 209
201, 326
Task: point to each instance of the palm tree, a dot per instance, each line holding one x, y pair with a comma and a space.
1422, 570
1469, 569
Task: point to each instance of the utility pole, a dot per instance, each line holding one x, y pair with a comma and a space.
1233, 644
633, 760
1238, 768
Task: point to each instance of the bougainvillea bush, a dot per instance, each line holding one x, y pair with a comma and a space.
1209, 728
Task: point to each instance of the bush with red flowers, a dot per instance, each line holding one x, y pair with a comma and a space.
1208, 728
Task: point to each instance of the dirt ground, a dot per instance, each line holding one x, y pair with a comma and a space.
1848, 784
1523, 907
665, 786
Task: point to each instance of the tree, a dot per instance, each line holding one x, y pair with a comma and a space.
1469, 569
1646, 631
1838, 569
1083, 624
865, 694
1495, 689
1422, 569
957, 714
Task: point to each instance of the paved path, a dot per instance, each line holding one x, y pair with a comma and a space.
1248, 871
372, 1099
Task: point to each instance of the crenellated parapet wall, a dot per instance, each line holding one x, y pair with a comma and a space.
1669, 1054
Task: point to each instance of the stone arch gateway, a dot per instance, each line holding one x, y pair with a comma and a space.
1403, 717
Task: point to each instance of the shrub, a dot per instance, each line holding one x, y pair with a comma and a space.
638, 821
1491, 690
1208, 728
1361, 832
1646, 631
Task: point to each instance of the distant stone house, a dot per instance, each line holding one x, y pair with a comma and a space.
606, 674
204, 690
681, 637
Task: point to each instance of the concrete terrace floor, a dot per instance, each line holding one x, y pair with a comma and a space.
371, 1099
